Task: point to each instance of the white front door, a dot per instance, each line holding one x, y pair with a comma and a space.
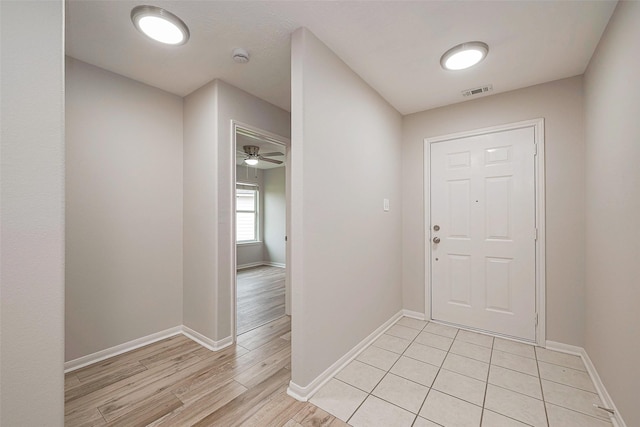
483, 220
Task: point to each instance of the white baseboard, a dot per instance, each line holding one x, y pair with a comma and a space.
249, 265
413, 314
275, 264
101, 355
205, 341
259, 263
303, 394
616, 418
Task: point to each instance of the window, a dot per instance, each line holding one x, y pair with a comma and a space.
246, 213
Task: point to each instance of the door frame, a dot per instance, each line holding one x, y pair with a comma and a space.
286, 145
539, 172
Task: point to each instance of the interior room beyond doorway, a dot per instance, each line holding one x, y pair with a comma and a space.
260, 230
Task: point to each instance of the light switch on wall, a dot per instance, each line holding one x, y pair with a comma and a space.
385, 203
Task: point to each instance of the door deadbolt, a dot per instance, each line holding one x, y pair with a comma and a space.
436, 239
436, 227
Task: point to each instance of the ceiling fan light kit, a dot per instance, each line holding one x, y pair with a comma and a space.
160, 25
464, 55
252, 155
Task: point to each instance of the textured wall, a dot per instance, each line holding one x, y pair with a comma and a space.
345, 250
32, 179
124, 210
612, 111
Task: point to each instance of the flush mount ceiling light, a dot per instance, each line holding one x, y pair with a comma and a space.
464, 55
160, 25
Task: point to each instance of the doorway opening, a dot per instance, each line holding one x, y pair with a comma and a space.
262, 291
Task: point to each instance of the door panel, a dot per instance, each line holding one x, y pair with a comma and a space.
459, 209
483, 200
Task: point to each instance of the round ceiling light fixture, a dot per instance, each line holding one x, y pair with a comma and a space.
464, 55
251, 161
160, 25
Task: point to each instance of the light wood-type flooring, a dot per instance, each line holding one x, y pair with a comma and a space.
260, 296
177, 382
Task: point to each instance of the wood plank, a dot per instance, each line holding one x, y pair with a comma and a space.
155, 359
192, 388
260, 293
221, 356
266, 333
147, 411
132, 356
276, 412
194, 411
263, 370
87, 416
142, 379
101, 375
312, 416
264, 329
122, 403
70, 381
337, 422
121, 373
251, 359
244, 406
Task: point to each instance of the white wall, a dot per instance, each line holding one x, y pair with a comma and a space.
345, 250
252, 253
612, 114
124, 210
275, 215
200, 211
32, 177
209, 189
560, 104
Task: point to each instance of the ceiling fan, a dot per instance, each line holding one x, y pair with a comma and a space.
252, 155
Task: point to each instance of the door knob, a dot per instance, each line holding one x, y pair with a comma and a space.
436, 239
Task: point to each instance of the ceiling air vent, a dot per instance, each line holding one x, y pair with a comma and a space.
477, 90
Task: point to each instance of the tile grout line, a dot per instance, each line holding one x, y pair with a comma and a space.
486, 384
569, 385
544, 402
438, 373
434, 378
388, 370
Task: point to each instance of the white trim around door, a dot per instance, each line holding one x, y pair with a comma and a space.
285, 143
540, 283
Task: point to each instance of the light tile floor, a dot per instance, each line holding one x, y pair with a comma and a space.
424, 374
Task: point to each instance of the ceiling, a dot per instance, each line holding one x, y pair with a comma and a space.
395, 46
